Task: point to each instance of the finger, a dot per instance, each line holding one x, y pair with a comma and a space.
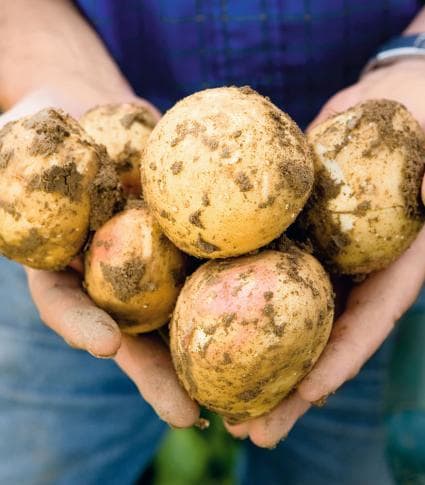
423, 190
338, 103
240, 431
68, 311
37, 100
147, 361
372, 310
267, 431
153, 109
77, 264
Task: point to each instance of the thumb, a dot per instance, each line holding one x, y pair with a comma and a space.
67, 310
340, 102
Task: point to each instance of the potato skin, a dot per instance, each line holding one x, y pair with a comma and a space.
48, 177
225, 172
245, 331
123, 129
133, 271
365, 209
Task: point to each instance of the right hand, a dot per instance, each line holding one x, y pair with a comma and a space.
66, 308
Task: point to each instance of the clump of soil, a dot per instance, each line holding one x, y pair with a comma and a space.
243, 182
176, 168
134, 203
128, 158
382, 113
297, 177
51, 128
143, 116
5, 157
105, 195
25, 248
206, 246
126, 280
186, 128
10, 209
195, 219
65, 180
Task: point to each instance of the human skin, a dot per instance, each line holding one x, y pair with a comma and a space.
51, 57
374, 306
68, 67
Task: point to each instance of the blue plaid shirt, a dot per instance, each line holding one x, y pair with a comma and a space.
297, 52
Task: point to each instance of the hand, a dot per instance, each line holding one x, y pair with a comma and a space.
65, 308
374, 306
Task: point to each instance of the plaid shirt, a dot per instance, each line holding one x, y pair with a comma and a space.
297, 52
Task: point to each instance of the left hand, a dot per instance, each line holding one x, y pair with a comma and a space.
374, 306
65, 307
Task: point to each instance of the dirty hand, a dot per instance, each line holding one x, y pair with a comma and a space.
374, 306
65, 308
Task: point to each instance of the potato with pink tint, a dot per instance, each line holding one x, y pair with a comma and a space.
245, 331
133, 271
123, 129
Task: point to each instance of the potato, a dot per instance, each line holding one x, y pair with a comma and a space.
133, 271
365, 209
246, 330
123, 129
225, 172
55, 185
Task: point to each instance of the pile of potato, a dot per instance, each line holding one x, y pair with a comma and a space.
219, 178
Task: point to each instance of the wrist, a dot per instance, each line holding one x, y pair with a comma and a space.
403, 66
397, 49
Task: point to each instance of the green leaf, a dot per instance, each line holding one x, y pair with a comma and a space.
182, 459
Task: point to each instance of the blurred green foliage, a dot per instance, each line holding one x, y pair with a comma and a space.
194, 457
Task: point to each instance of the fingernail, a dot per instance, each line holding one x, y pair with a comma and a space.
202, 424
105, 357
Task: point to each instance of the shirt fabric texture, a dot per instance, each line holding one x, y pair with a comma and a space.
297, 52
68, 418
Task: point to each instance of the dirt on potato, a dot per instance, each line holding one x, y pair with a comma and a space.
142, 116
232, 357
379, 113
51, 128
125, 279
65, 180
105, 192
24, 248
127, 159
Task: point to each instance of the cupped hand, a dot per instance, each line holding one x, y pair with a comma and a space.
374, 306
66, 308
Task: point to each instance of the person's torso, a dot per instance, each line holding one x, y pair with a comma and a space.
297, 52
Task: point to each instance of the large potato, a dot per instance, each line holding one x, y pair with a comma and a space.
245, 331
225, 172
123, 129
133, 271
366, 209
55, 184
